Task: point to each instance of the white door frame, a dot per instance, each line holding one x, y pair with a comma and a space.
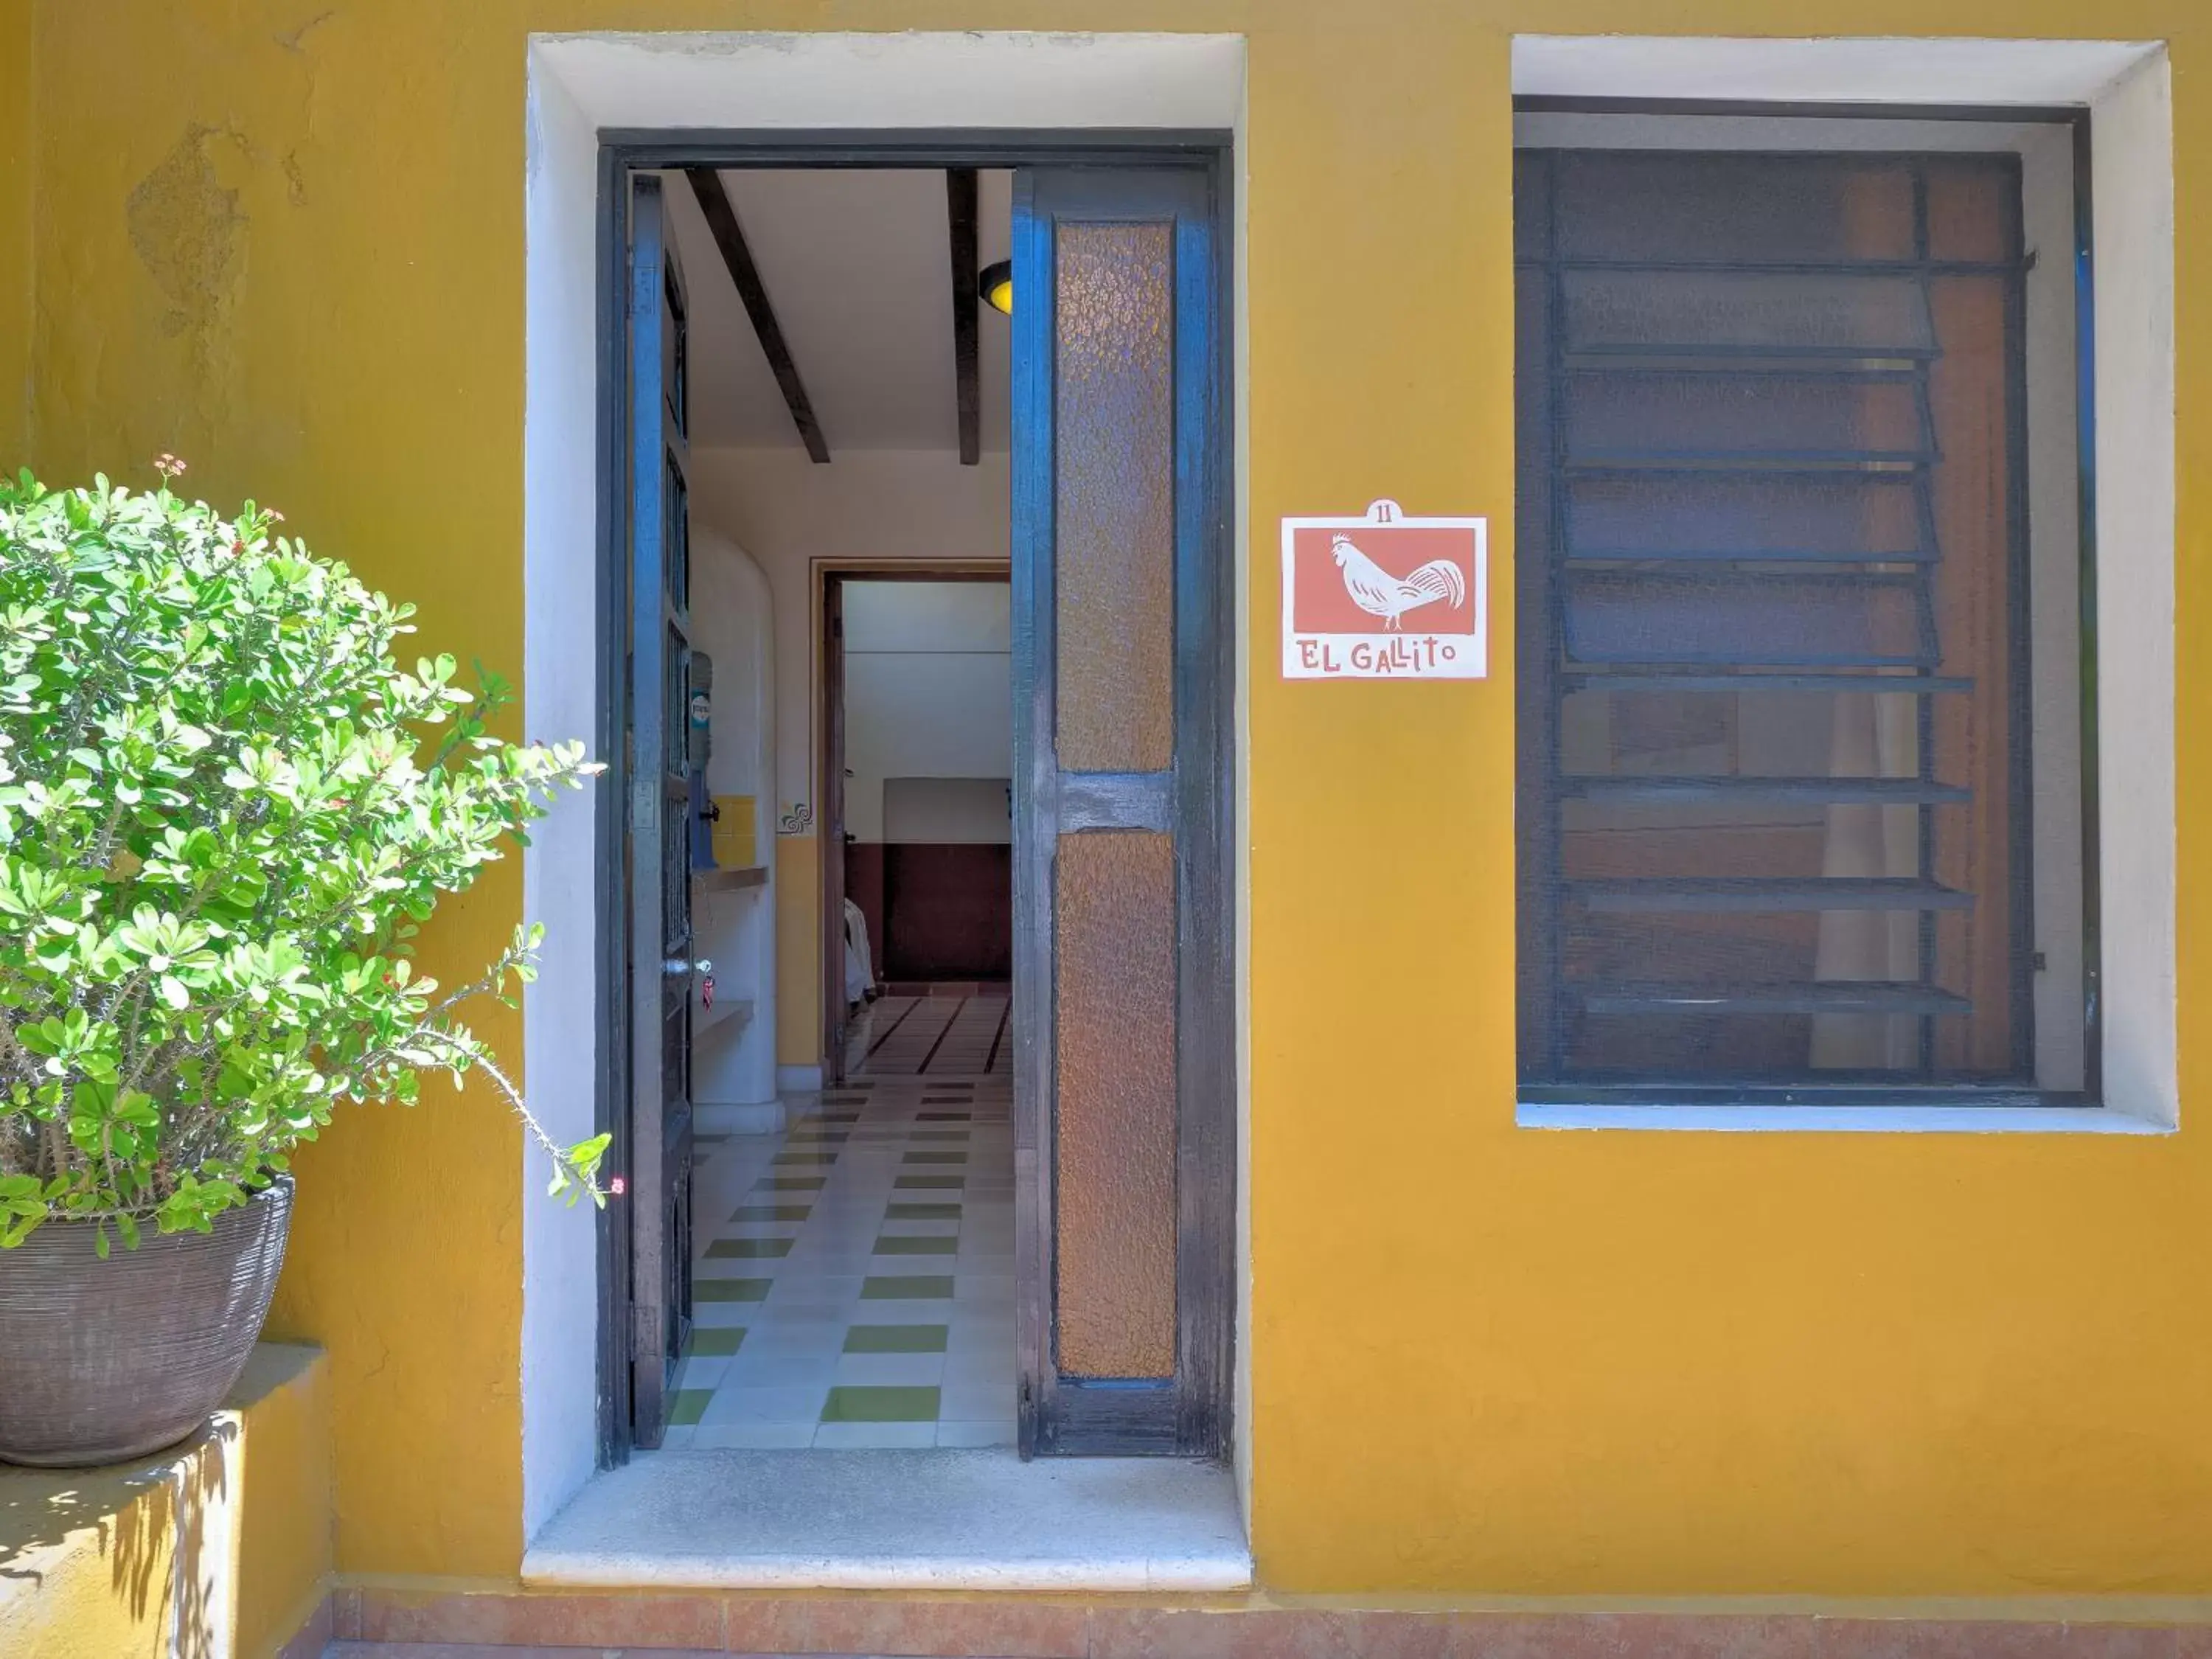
583, 88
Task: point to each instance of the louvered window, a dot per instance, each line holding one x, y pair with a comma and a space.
1777, 826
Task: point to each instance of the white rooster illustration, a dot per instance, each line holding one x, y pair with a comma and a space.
1379, 594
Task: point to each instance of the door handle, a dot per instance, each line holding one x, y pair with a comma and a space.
677, 967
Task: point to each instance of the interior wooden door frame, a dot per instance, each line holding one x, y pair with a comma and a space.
625, 150
829, 821
829, 577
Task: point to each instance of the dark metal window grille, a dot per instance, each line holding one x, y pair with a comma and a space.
1775, 823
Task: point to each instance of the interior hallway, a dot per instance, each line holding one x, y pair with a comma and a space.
855, 1274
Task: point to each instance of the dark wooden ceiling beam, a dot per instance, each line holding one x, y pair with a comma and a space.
960, 215
722, 220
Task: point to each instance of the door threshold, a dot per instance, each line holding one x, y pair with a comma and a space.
923, 1520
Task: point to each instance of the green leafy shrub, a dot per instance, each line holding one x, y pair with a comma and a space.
224, 812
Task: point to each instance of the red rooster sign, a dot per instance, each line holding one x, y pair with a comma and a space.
1384, 595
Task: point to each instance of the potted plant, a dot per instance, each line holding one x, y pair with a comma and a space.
225, 810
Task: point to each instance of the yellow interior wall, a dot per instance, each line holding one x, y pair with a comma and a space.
798, 950
1483, 1359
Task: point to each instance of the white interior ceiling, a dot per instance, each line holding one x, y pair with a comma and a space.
857, 264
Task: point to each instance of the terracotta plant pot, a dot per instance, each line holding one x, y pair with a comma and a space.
101, 1361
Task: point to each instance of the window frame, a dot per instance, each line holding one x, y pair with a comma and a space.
1668, 123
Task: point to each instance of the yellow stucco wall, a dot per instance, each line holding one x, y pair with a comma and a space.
290, 247
18, 118
253, 251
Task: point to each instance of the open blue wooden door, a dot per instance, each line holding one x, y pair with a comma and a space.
657, 838
1124, 1118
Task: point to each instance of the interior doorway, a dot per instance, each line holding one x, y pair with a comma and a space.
917, 726
1038, 1214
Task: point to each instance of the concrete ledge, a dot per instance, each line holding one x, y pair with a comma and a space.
180, 1552
898, 1520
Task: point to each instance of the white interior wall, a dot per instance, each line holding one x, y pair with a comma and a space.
940, 811
733, 1058
866, 506
929, 696
907, 617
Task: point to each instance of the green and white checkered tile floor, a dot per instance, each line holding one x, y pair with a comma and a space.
855, 1279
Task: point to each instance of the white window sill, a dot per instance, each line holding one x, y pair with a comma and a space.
1845, 1120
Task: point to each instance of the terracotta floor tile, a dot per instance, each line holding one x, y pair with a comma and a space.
928, 1629
651, 1621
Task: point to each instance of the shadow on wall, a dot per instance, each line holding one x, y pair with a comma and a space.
180, 1554
143, 1551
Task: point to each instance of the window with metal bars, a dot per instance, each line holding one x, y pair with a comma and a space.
1777, 824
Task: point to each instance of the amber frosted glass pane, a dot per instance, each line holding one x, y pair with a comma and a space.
1114, 461
1973, 849
1712, 209
1745, 313
1672, 618
1650, 418
1967, 209
1115, 1147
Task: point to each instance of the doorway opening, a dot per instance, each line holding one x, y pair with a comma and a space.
918, 817
922, 594
853, 1258
918, 855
